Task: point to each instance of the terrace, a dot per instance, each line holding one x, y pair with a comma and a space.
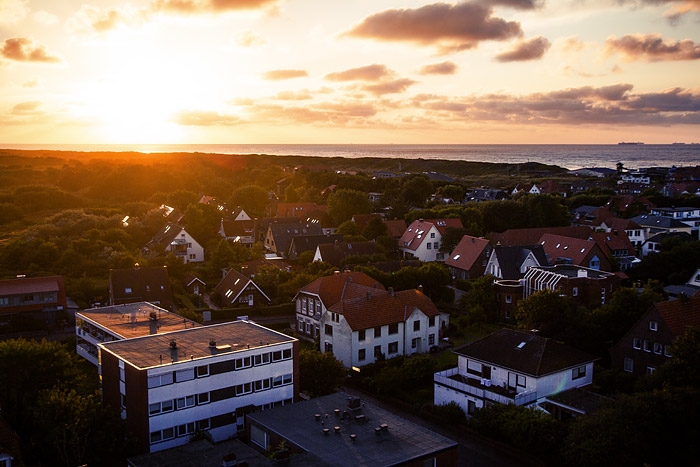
482, 388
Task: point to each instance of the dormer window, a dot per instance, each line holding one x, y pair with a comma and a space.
127, 290
653, 326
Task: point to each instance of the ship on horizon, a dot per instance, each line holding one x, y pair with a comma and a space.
631, 143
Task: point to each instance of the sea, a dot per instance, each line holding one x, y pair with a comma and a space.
570, 156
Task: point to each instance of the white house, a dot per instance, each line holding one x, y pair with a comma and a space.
314, 299
378, 324
635, 177
423, 238
690, 216
175, 239
514, 367
512, 262
168, 386
530, 188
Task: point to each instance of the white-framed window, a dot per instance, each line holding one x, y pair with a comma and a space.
650, 370
202, 371
658, 348
160, 380
186, 429
629, 365
361, 335
647, 345
653, 325
436, 245
262, 359
579, 372
667, 350
245, 362
262, 385
203, 398
575, 292
431, 339
184, 402
414, 342
416, 325
303, 304
509, 299
520, 381
245, 388
361, 355
637, 343
184, 375
4, 300
430, 246
393, 347
127, 290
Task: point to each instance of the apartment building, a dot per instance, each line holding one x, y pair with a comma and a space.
203, 379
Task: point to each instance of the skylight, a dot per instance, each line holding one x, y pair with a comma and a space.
456, 257
237, 281
229, 293
582, 250
521, 345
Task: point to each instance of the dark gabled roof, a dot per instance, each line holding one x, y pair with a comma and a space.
303, 243
617, 223
334, 254
467, 251
647, 220
375, 307
524, 352
485, 194
164, 236
661, 236
231, 286
615, 240
521, 237
284, 233
510, 258
251, 267
192, 278
238, 228
680, 314
147, 284
330, 288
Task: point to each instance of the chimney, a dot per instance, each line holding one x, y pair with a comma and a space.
173, 344
337, 273
420, 288
391, 291
212, 343
420, 220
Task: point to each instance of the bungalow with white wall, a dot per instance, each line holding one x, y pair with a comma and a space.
514, 367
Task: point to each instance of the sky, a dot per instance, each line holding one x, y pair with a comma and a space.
350, 71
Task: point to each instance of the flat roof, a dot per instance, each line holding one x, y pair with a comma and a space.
134, 319
193, 343
401, 441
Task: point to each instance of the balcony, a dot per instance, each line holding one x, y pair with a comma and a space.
482, 389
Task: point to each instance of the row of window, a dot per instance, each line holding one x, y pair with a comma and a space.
218, 368
435, 245
314, 306
649, 346
217, 395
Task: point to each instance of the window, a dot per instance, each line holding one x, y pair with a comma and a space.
276, 355
127, 290
203, 398
393, 347
184, 375
277, 381
650, 370
361, 355
245, 362
436, 245
653, 325
122, 376
361, 335
431, 339
193, 256
154, 409
647, 346
667, 350
4, 300
202, 371
184, 402
658, 348
156, 436
414, 342
377, 351
160, 380
416, 325
393, 328
602, 295
328, 347
431, 321
262, 385
246, 388
509, 299
287, 379
168, 433
520, 381
432, 234
579, 372
575, 292
286, 354
303, 304
377, 332
430, 246
507, 314
637, 343
629, 365
186, 429
328, 329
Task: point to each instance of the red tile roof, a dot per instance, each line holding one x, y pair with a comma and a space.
467, 251
575, 249
27, 285
524, 237
238, 228
680, 314
395, 227
615, 240
379, 309
330, 288
363, 219
299, 209
617, 223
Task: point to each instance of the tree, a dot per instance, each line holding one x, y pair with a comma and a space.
375, 228
291, 195
452, 237
320, 373
416, 190
455, 192
481, 300
252, 198
343, 203
348, 228
541, 308
683, 369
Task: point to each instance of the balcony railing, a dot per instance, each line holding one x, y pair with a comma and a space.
483, 390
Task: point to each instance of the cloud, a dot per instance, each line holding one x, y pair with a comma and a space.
653, 48
22, 49
45, 18
92, 19
615, 104
364, 73
443, 68
389, 87
530, 49
294, 95
277, 75
249, 39
26, 108
204, 118
517, 4
449, 27
13, 11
